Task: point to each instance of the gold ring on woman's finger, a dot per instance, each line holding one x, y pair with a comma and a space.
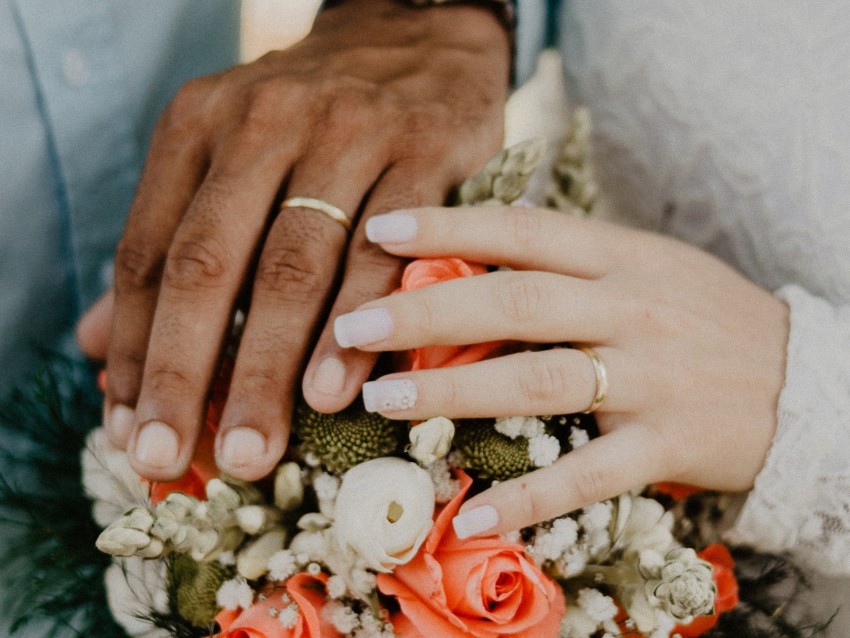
601, 380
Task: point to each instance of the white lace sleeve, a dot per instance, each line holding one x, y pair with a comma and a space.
801, 500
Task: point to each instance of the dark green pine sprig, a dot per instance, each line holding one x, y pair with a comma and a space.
52, 574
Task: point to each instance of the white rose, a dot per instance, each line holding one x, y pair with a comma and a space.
384, 511
431, 440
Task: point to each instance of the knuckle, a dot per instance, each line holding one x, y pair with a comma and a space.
162, 379
589, 485
290, 272
195, 263
137, 266
184, 109
543, 381
519, 298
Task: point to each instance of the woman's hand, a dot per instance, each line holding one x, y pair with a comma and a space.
382, 105
694, 352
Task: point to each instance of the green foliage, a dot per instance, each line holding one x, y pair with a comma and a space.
192, 588
48, 549
490, 454
342, 440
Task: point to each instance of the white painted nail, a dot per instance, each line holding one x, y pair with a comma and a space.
389, 395
474, 521
157, 445
363, 326
392, 228
329, 377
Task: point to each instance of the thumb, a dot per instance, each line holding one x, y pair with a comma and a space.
94, 326
603, 468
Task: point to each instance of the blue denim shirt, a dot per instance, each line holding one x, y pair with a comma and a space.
81, 85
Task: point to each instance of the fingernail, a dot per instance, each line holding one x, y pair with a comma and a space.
396, 227
389, 395
363, 326
475, 521
242, 446
119, 422
157, 445
329, 377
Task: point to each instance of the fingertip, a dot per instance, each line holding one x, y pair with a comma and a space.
246, 453
392, 228
155, 451
475, 521
118, 421
327, 385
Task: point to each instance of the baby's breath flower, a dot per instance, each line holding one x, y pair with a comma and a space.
578, 437
543, 450
234, 594
514, 426
282, 565
445, 486
288, 616
597, 605
343, 618
595, 517
336, 587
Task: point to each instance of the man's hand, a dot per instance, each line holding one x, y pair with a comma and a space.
382, 106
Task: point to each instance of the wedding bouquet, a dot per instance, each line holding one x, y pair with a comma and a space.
352, 535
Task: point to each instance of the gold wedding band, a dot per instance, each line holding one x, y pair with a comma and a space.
601, 380
320, 205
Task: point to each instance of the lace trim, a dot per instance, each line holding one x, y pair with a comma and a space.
801, 500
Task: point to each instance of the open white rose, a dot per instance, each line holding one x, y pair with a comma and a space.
384, 511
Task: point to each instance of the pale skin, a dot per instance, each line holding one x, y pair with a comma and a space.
693, 350
381, 106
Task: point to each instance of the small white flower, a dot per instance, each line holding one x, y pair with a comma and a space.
336, 587
552, 543
543, 450
343, 618
578, 437
577, 624
234, 594
326, 486
384, 511
446, 487
596, 517
597, 605
514, 426
431, 440
282, 565
288, 616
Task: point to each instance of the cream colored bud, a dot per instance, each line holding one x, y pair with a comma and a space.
256, 519
138, 518
121, 541
253, 561
223, 494
154, 549
431, 440
313, 522
288, 487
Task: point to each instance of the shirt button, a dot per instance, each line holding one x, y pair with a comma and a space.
75, 68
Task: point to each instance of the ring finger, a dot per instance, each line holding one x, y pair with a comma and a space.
554, 381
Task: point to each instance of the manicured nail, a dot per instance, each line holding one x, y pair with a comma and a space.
389, 395
363, 326
119, 421
329, 377
474, 521
242, 446
157, 445
393, 228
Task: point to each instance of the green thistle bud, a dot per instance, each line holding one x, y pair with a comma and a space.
342, 440
490, 453
192, 588
504, 178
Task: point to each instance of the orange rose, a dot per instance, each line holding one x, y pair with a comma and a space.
723, 570
678, 491
424, 272
481, 587
260, 619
